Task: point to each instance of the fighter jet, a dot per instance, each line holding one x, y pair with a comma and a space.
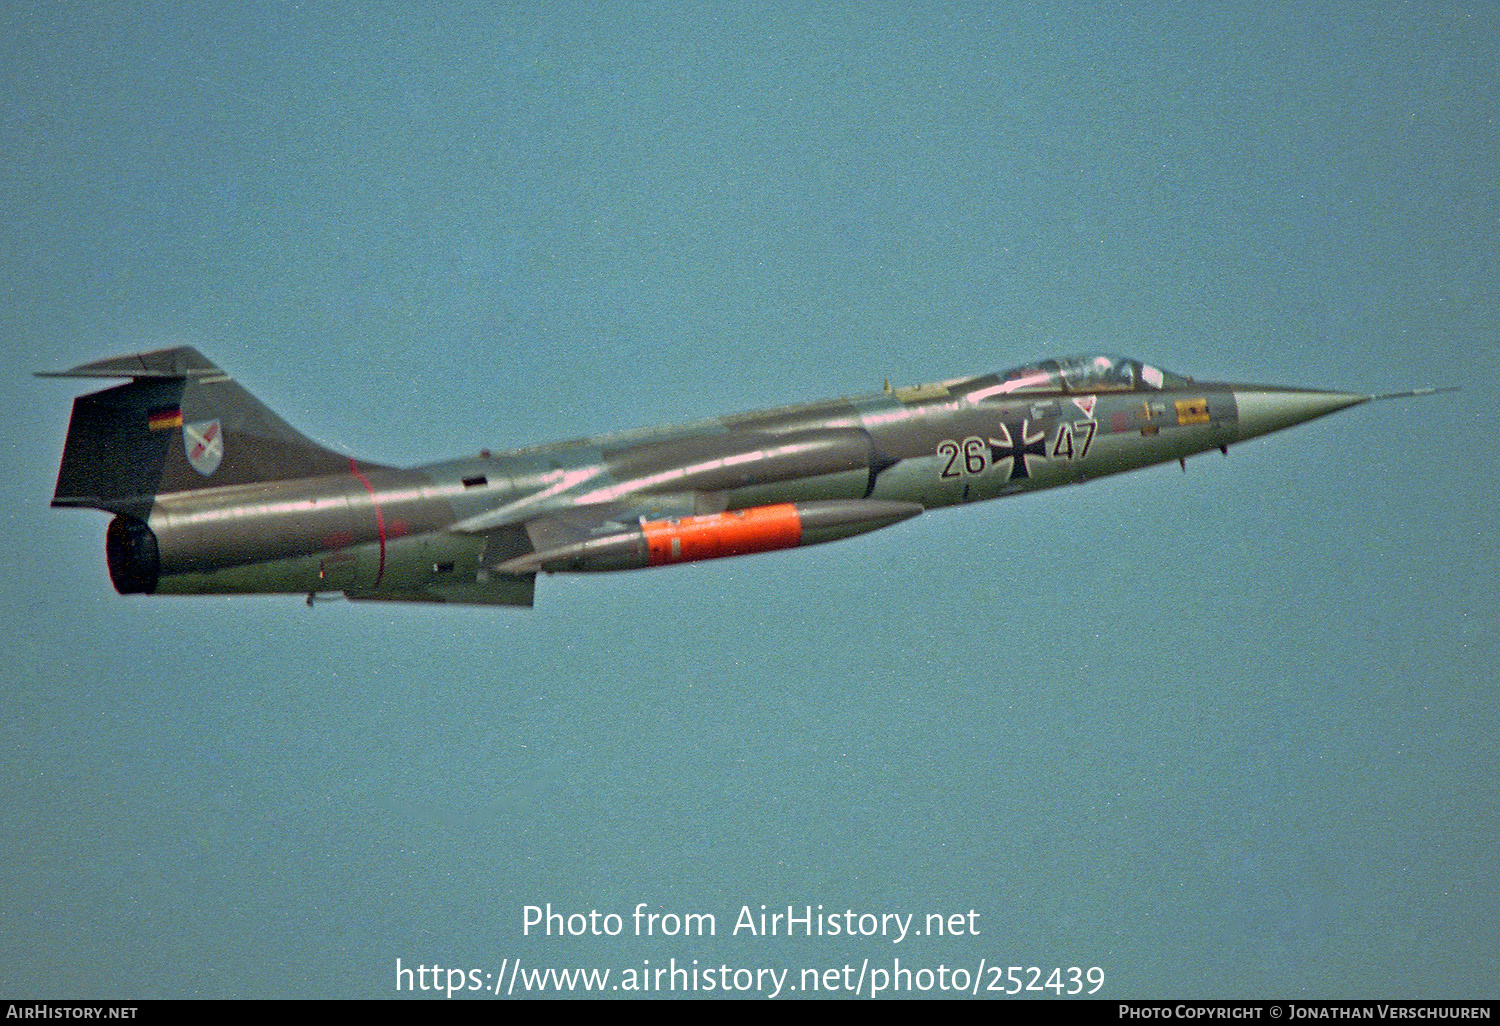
213, 493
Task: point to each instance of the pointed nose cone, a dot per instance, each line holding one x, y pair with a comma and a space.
1264, 409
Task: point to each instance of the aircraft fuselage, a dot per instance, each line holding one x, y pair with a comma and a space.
290, 516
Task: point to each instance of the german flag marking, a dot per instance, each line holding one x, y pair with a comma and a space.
163, 418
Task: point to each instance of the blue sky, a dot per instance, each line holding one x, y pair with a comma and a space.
1225, 733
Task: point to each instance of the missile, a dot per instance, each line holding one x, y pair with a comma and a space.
717, 535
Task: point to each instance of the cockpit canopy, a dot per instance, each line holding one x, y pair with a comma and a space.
1101, 373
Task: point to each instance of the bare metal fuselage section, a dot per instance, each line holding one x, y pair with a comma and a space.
213, 493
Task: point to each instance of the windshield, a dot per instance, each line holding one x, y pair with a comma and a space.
1100, 373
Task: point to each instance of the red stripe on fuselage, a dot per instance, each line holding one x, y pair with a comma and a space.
379, 517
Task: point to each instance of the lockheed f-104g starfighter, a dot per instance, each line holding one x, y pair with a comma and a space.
213, 493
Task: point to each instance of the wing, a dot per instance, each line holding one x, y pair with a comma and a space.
705, 496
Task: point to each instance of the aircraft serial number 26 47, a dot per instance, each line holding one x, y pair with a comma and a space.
974, 455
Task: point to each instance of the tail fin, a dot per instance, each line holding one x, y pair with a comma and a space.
180, 424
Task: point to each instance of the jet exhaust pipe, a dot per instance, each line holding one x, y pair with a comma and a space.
134, 560
717, 535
